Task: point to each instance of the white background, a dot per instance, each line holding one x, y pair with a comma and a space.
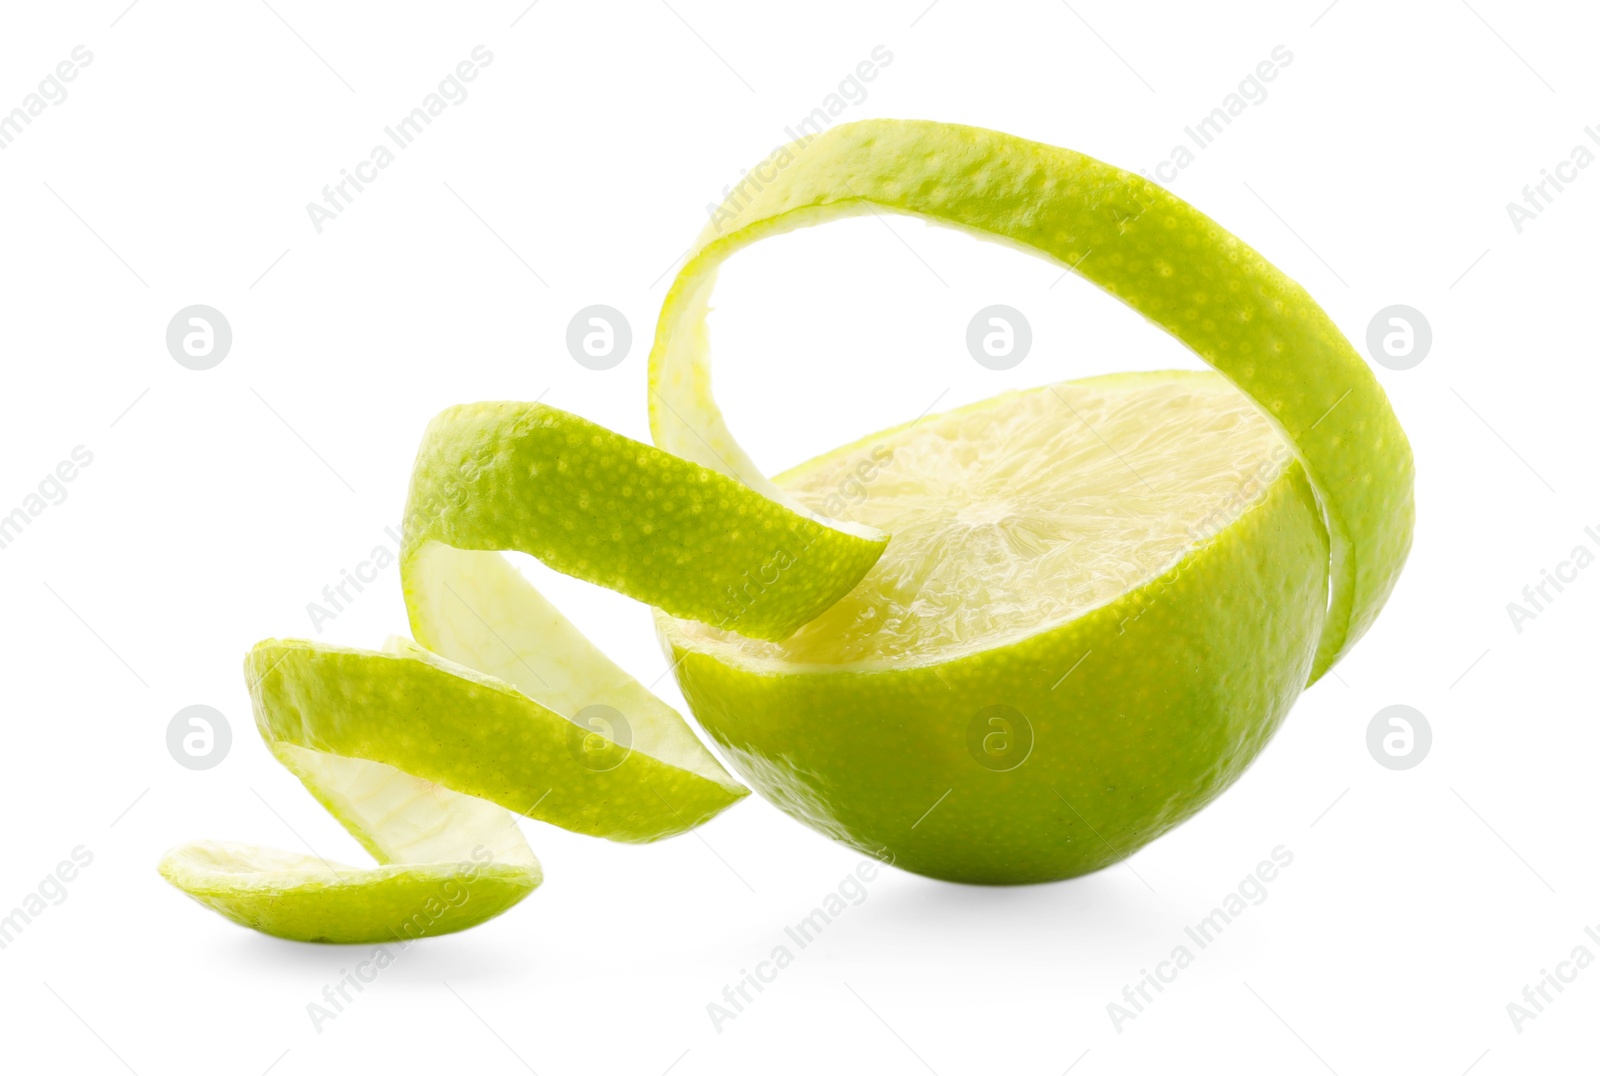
219, 503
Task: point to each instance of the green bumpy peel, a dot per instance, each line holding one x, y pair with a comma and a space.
627, 516
423, 753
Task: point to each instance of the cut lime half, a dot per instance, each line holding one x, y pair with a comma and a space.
1152, 569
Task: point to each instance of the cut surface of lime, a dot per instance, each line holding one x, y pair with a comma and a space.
1018, 514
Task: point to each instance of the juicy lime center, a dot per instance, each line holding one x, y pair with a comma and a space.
1023, 512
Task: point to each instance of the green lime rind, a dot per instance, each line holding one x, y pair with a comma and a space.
448, 860
475, 735
625, 515
1155, 252
421, 751
427, 764
301, 898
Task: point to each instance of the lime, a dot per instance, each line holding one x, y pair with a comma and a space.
605, 508
1100, 599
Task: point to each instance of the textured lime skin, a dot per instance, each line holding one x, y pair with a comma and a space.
1149, 248
476, 736
628, 516
394, 903
1141, 712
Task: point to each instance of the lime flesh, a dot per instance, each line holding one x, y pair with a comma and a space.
1014, 516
